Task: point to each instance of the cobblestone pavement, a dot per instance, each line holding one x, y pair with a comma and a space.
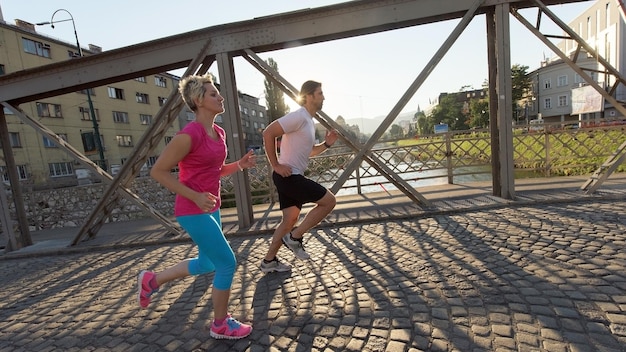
546, 277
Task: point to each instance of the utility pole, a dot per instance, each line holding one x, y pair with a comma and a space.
92, 112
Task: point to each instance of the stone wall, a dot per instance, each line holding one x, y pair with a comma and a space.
70, 206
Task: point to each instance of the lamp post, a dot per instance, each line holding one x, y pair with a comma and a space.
92, 112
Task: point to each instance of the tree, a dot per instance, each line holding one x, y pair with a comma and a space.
421, 123
450, 112
350, 130
479, 113
521, 83
274, 97
396, 131
473, 113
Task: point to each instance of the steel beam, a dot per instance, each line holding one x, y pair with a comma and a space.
263, 34
504, 97
235, 141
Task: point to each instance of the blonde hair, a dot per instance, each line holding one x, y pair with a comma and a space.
308, 88
192, 88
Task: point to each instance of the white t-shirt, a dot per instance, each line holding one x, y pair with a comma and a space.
298, 140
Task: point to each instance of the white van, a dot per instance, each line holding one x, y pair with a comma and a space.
536, 125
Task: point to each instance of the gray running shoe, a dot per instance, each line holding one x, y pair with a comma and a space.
274, 266
296, 247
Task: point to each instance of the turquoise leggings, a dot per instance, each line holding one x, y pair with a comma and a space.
214, 252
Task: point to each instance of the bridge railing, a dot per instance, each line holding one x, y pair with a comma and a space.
455, 157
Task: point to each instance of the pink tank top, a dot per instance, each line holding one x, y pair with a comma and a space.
200, 168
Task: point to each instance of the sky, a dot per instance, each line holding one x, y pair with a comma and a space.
362, 77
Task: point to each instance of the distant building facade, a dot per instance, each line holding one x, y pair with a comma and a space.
124, 111
602, 27
253, 120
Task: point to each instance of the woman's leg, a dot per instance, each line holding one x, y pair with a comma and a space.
214, 252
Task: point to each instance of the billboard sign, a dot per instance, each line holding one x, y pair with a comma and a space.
441, 128
586, 100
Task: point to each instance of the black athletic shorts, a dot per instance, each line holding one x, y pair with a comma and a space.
296, 190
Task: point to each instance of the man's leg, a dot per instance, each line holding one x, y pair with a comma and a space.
324, 206
290, 217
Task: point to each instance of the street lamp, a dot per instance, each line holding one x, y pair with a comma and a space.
92, 112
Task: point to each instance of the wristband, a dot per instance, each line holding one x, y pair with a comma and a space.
239, 166
327, 145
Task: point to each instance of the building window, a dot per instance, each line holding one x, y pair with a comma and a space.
85, 114
14, 137
2, 70
36, 48
60, 169
190, 116
84, 91
116, 93
162, 101
120, 117
145, 119
547, 103
142, 98
151, 160
124, 141
578, 78
160, 81
253, 112
168, 139
141, 79
261, 114
562, 100
562, 81
72, 55
21, 173
89, 142
48, 110
547, 84
49, 143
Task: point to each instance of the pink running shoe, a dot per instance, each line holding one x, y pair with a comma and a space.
230, 329
146, 286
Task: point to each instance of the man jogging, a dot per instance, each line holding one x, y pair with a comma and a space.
297, 130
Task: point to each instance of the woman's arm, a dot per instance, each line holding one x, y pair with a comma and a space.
246, 162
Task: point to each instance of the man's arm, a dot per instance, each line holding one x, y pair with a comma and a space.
271, 132
329, 140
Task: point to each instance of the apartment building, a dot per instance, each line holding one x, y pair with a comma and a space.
123, 111
553, 84
603, 27
253, 120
